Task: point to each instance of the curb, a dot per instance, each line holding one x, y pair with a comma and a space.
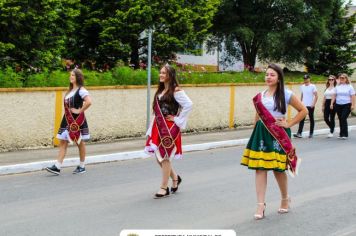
36, 166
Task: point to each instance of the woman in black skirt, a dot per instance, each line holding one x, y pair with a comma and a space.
74, 127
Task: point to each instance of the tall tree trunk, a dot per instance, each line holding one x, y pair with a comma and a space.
134, 57
249, 54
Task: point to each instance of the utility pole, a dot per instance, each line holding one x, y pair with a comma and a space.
149, 57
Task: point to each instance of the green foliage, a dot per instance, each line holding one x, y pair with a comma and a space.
336, 53
129, 76
33, 33
58, 79
237, 77
10, 79
37, 80
273, 30
116, 30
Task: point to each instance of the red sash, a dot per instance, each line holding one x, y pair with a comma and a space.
167, 136
278, 133
73, 125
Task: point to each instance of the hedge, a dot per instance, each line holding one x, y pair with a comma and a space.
127, 76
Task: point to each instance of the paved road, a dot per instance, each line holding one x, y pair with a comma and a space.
134, 144
216, 193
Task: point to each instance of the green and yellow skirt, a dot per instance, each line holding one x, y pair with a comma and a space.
263, 152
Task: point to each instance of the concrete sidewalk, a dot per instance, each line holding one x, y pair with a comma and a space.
17, 161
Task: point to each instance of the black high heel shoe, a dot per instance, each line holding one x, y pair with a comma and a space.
158, 195
179, 180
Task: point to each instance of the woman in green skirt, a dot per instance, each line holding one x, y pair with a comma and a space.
263, 151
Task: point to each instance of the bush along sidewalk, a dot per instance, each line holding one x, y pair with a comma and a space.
128, 76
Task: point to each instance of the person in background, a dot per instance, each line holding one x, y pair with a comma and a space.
344, 99
309, 97
329, 114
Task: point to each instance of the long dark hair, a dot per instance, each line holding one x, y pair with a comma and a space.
173, 83
279, 95
328, 83
79, 79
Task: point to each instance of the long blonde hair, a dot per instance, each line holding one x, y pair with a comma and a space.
346, 77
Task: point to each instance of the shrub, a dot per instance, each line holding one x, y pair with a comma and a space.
37, 80
10, 79
122, 75
58, 78
127, 76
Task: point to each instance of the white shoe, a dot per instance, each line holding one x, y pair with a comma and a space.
330, 135
259, 216
285, 210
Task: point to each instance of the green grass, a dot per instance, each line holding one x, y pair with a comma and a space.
238, 77
128, 76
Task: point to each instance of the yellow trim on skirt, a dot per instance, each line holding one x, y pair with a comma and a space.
264, 160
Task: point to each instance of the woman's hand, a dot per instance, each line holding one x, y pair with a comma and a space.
170, 118
331, 106
75, 111
282, 122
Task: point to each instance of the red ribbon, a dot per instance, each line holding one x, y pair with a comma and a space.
73, 125
167, 136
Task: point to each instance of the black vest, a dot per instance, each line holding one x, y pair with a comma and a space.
168, 107
75, 101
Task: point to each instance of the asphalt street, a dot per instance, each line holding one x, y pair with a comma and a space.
216, 193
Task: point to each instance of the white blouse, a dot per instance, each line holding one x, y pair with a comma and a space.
269, 103
329, 93
182, 118
344, 93
82, 93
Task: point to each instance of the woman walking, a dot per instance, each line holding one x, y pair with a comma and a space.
329, 114
269, 147
344, 99
171, 107
74, 127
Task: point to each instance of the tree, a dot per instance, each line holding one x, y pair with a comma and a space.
90, 45
115, 30
33, 33
272, 30
338, 51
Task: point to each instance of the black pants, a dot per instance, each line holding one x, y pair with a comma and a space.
311, 119
329, 115
343, 111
